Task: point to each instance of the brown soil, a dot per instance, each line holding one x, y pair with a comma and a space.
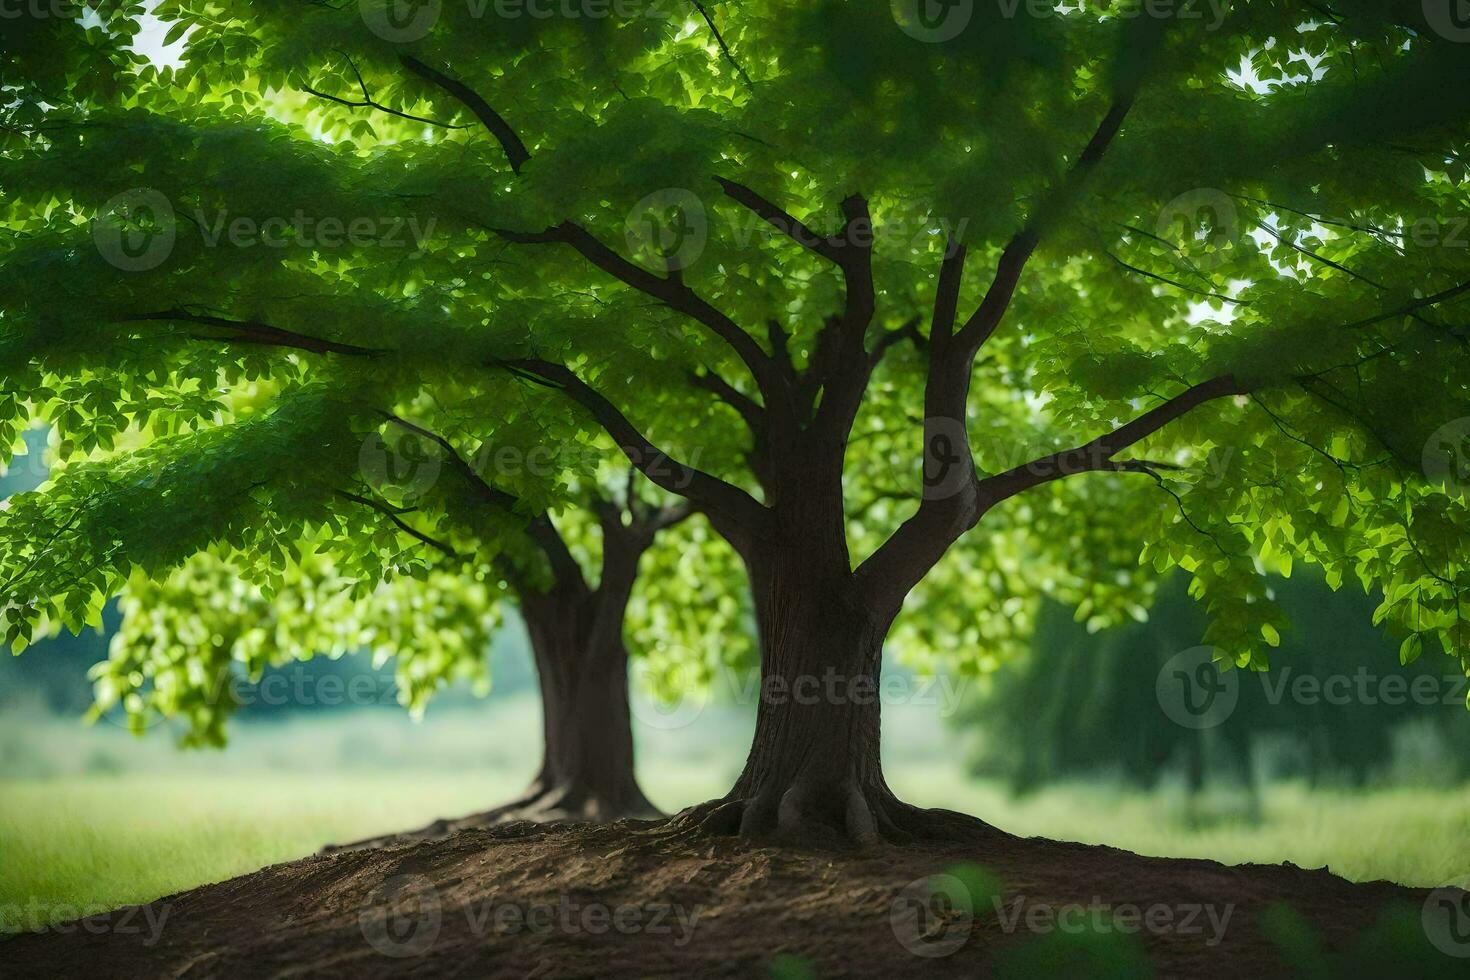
616, 900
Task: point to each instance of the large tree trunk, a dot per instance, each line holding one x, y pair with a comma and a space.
814, 774
587, 736
587, 763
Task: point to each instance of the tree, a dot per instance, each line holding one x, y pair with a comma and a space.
1079, 703
183, 639
1043, 322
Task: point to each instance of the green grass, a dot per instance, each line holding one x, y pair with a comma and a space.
94, 819
79, 844
1413, 836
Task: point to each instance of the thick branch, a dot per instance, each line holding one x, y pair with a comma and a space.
828, 247
255, 332
515, 150
710, 492
1098, 454
668, 290
539, 527
947, 296
953, 501
922, 540
987, 316
749, 410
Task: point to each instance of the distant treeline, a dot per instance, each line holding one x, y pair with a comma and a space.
1335, 706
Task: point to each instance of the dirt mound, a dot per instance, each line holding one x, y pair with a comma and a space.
632, 900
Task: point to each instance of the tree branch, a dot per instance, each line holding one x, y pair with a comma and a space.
952, 508
1098, 454
255, 332
670, 291
1013, 259
401, 524
539, 527
909, 331
710, 492
751, 412
828, 247
369, 102
515, 150
720, 39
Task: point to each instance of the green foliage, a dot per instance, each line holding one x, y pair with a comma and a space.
1259, 216
186, 639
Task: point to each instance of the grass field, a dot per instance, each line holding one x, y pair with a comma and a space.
93, 819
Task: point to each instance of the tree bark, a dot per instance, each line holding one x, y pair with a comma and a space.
587, 763
581, 660
814, 774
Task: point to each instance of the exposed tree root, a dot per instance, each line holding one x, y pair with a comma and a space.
846, 820
539, 804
